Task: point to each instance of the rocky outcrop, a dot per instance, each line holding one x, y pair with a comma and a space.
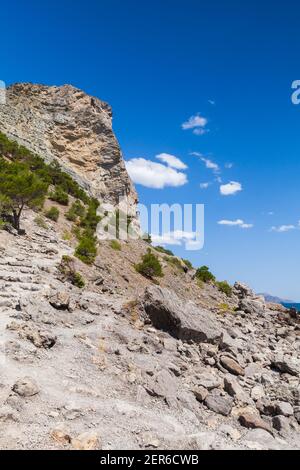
183, 320
65, 124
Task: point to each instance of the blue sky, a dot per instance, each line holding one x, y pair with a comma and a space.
158, 63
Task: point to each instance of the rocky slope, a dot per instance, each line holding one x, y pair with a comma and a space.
66, 124
125, 363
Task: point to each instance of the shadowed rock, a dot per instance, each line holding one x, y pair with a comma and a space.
184, 321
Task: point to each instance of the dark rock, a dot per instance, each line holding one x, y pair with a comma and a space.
219, 404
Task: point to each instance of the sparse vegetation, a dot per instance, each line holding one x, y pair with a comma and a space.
188, 263
86, 250
76, 210
60, 196
52, 214
69, 273
174, 261
150, 266
163, 250
40, 222
67, 236
115, 245
204, 275
19, 187
224, 287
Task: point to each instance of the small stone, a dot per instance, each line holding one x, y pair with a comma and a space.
281, 424
60, 300
232, 387
208, 380
61, 435
200, 393
26, 387
284, 409
251, 420
231, 365
219, 404
87, 441
257, 393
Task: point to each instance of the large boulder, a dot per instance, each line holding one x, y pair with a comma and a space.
183, 320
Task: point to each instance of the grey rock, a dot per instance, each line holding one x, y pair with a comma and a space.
251, 306
60, 300
284, 409
219, 404
182, 320
233, 388
287, 365
26, 387
208, 380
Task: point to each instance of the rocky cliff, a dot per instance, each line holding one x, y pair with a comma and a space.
66, 124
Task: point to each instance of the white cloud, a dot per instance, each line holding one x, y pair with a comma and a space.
231, 188
178, 237
212, 102
228, 165
235, 223
204, 185
210, 164
154, 175
196, 123
283, 228
171, 161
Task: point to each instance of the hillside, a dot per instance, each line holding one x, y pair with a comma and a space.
98, 356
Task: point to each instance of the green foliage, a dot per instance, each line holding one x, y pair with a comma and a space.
76, 210
69, 273
52, 214
115, 245
90, 220
224, 308
51, 174
86, 250
67, 236
188, 263
19, 186
163, 250
224, 287
60, 196
150, 266
205, 275
40, 222
174, 261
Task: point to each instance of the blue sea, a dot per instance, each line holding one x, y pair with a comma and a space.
296, 306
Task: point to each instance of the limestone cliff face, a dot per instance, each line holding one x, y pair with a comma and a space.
66, 124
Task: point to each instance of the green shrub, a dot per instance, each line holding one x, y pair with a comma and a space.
68, 272
150, 266
52, 214
75, 211
90, 220
67, 236
60, 196
205, 275
78, 280
163, 250
115, 245
40, 222
174, 262
224, 287
86, 250
188, 263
